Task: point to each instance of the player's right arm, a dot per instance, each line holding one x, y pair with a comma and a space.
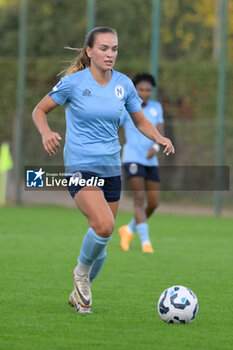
49, 138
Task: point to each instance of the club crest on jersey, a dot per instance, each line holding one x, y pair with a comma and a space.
119, 91
57, 86
153, 112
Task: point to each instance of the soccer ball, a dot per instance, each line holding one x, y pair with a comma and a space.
178, 304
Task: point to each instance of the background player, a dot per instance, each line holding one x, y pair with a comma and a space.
141, 165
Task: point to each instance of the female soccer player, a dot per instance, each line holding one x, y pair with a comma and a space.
141, 164
94, 96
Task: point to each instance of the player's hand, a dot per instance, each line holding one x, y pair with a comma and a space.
152, 151
50, 142
169, 148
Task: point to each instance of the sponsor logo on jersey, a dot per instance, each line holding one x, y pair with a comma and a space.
86, 92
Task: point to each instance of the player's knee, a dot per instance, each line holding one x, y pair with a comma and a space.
104, 226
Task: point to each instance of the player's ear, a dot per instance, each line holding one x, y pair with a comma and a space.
88, 51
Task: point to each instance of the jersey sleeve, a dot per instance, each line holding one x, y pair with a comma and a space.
132, 101
160, 113
61, 92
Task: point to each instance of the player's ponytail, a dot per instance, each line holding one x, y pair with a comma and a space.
83, 61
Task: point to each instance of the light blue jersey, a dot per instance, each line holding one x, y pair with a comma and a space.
137, 145
92, 119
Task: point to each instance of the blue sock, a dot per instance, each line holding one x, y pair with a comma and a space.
92, 247
143, 232
97, 265
132, 225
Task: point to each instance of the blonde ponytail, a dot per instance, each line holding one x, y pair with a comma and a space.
81, 62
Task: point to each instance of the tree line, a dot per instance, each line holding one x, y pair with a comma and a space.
188, 28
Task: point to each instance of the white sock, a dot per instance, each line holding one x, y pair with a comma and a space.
129, 230
131, 226
82, 269
145, 243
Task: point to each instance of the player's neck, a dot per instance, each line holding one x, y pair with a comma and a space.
102, 77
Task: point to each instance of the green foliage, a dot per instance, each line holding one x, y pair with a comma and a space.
49, 29
9, 21
132, 20
186, 26
186, 29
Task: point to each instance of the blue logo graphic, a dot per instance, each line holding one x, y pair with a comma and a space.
119, 91
57, 86
35, 178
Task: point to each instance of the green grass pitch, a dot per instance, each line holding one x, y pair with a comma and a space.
38, 251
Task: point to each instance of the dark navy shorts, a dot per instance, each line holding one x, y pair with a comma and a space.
136, 169
111, 186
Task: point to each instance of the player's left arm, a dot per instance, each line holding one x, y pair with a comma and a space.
160, 128
148, 130
155, 148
